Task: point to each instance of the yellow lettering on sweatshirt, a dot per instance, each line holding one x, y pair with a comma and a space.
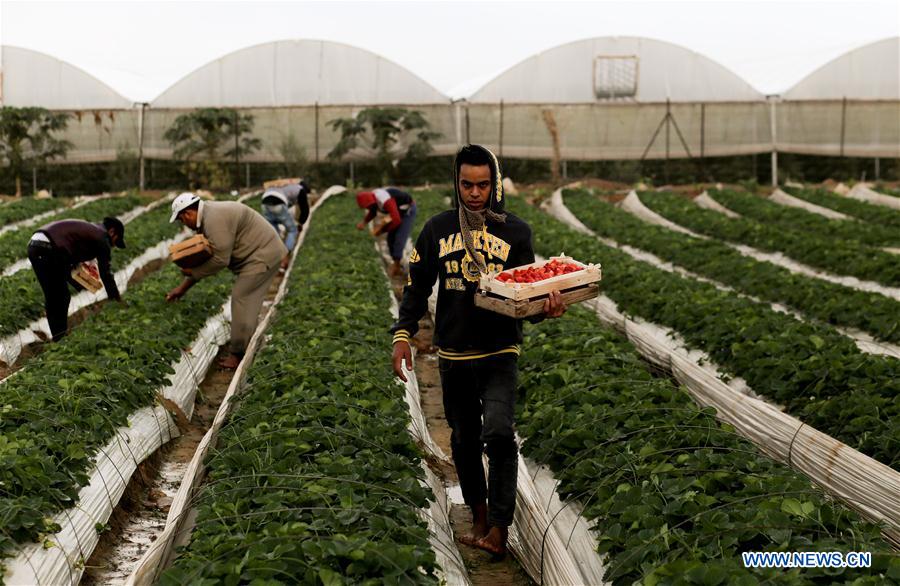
493, 246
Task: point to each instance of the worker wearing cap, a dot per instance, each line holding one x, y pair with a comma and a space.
243, 241
276, 208
57, 248
401, 209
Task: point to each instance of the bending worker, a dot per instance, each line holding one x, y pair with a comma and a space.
401, 208
57, 248
478, 349
276, 207
244, 242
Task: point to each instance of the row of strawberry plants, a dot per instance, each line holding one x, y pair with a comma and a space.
14, 244
776, 214
818, 374
822, 250
868, 212
674, 495
20, 293
818, 299
69, 401
314, 477
27, 207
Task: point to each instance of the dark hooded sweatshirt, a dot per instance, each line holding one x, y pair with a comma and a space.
462, 330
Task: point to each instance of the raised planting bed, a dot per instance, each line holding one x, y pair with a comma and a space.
65, 405
821, 250
829, 302
27, 208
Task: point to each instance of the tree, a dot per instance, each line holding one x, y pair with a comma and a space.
28, 138
393, 133
199, 137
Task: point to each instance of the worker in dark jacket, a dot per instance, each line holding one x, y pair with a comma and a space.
58, 247
478, 349
276, 208
400, 208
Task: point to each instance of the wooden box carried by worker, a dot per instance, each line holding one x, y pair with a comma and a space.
281, 182
519, 300
87, 275
192, 252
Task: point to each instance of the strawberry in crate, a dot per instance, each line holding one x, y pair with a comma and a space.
521, 292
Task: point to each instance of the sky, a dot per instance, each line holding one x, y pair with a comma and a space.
141, 48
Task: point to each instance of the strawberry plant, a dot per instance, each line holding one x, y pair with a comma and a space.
674, 495
868, 212
842, 257
21, 296
314, 478
817, 299
14, 244
28, 207
819, 375
69, 401
776, 214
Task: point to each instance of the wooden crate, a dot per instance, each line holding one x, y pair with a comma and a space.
281, 182
527, 299
529, 307
87, 275
192, 252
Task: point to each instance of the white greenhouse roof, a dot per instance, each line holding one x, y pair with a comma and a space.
31, 78
870, 72
297, 73
631, 69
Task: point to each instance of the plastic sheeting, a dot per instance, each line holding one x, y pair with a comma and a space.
862, 482
60, 559
157, 557
780, 197
864, 193
704, 201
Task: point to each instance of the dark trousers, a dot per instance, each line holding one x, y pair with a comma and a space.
396, 240
53, 271
479, 402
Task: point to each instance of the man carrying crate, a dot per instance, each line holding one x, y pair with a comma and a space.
276, 208
241, 240
478, 349
58, 248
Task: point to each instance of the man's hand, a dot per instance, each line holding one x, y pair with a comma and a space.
554, 306
401, 353
361, 225
175, 294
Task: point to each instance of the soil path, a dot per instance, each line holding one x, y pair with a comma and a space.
140, 516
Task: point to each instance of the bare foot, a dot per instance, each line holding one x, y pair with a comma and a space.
494, 542
479, 526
